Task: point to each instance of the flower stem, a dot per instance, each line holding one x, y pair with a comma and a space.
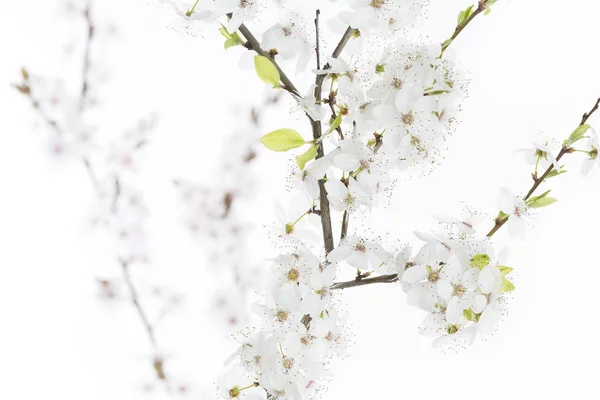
300, 217
191, 11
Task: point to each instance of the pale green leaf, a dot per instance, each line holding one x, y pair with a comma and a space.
282, 140
506, 286
224, 32
334, 125
231, 43
305, 157
543, 202
554, 173
541, 196
577, 134
505, 270
479, 261
470, 315
266, 70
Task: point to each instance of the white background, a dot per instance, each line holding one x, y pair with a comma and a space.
533, 66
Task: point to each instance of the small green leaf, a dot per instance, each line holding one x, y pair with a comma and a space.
541, 196
470, 315
231, 43
543, 202
577, 134
505, 270
463, 16
460, 18
554, 173
303, 158
282, 140
437, 92
506, 286
266, 70
479, 261
224, 32
446, 43
334, 125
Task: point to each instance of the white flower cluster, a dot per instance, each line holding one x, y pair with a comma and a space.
392, 114
381, 114
457, 280
301, 335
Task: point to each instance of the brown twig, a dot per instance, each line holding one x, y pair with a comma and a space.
499, 223
158, 362
538, 181
317, 49
317, 132
86, 56
253, 44
481, 6
367, 281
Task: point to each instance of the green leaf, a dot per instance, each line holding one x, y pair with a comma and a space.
506, 286
543, 202
334, 125
534, 198
577, 134
224, 32
460, 18
231, 43
470, 315
479, 261
282, 140
446, 43
303, 158
437, 92
505, 270
554, 173
463, 16
266, 70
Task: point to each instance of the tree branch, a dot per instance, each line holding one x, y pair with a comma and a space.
87, 56
255, 45
158, 361
499, 223
317, 132
317, 49
538, 181
481, 6
361, 282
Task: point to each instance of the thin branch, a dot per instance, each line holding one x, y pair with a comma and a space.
499, 223
538, 181
317, 49
87, 56
317, 132
587, 115
367, 281
136, 303
482, 5
158, 362
253, 44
